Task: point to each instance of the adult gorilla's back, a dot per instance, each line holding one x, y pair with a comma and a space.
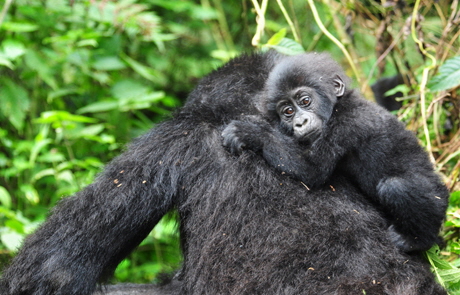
246, 229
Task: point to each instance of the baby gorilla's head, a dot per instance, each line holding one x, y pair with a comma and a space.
301, 92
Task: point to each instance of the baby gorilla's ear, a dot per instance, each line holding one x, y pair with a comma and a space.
339, 86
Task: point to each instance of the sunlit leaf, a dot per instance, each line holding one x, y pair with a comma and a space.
59, 116
288, 47
12, 49
19, 27
11, 240
30, 192
14, 101
448, 77
142, 70
101, 106
450, 275
6, 62
5, 197
108, 63
277, 38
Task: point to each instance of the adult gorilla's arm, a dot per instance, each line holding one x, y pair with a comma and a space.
88, 234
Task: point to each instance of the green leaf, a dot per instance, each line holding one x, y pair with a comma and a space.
59, 116
288, 47
142, 70
19, 27
36, 148
277, 38
203, 13
43, 173
5, 197
435, 260
450, 275
448, 77
12, 49
6, 62
128, 89
108, 63
14, 102
30, 192
101, 106
15, 225
42, 67
11, 240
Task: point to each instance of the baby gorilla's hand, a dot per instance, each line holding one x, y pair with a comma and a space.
398, 240
240, 135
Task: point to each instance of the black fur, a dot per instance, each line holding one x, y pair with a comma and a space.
246, 229
381, 86
359, 138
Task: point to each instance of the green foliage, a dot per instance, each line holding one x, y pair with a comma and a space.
448, 77
78, 79
445, 263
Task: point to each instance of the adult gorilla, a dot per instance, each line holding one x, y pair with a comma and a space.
245, 228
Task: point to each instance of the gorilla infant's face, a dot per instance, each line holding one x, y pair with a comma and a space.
302, 113
301, 92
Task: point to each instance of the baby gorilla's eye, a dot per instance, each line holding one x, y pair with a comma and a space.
305, 100
288, 111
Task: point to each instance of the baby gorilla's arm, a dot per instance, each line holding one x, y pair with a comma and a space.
281, 151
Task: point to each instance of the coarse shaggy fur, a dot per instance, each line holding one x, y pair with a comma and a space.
245, 228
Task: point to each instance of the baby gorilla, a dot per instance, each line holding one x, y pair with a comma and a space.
317, 125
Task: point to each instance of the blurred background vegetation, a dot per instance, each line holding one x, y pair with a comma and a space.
80, 78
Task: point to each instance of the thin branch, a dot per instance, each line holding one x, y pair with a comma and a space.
425, 74
333, 39
288, 19
260, 10
5, 10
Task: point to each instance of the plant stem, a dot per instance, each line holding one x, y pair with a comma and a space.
5, 10
260, 10
333, 39
289, 21
425, 74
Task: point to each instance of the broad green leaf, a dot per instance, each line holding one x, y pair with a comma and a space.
87, 42
224, 55
36, 149
12, 49
203, 13
450, 275
6, 62
288, 47
5, 197
108, 63
19, 27
128, 89
101, 106
43, 173
14, 101
448, 77
30, 192
436, 261
277, 38
11, 240
142, 70
42, 67
15, 225
59, 116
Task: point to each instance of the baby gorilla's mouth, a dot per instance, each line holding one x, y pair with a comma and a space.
308, 138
